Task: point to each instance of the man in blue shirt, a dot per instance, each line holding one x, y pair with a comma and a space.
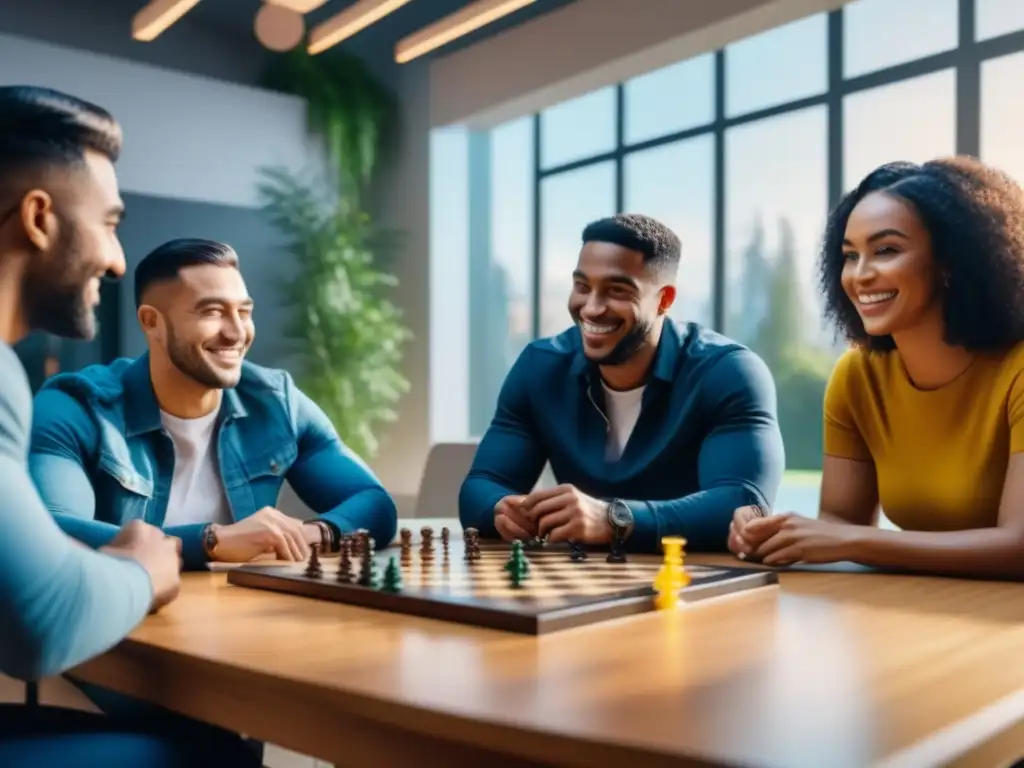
192, 437
62, 603
652, 427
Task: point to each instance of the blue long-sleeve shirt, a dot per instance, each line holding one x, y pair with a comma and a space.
706, 442
60, 603
100, 458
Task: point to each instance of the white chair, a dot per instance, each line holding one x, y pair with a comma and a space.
446, 468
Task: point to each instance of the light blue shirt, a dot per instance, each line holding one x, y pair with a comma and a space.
60, 603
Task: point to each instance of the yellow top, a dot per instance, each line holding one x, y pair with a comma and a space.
940, 455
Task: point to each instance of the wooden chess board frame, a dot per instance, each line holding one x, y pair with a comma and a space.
522, 613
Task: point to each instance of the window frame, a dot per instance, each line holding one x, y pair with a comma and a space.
966, 59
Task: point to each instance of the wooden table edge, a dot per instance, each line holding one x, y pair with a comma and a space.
963, 742
333, 724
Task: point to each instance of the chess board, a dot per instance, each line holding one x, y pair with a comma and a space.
559, 593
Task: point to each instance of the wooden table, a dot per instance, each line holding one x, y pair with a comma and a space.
828, 669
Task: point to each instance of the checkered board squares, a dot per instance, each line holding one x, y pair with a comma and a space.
558, 593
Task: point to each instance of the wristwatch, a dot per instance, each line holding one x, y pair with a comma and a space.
210, 540
620, 517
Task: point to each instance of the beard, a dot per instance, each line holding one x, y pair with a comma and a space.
54, 290
190, 362
627, 347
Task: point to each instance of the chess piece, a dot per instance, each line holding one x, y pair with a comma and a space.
672, 577
426, 542
472, 539
445, 538
536, 542
368, 570
576, 552
518, 567
392, 578
345, 575
406, 537
313, 569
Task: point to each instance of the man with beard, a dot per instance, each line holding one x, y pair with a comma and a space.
61, 603
192, 437
652, 427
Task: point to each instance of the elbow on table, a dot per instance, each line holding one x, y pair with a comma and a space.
384, 527
472, 502
29, 656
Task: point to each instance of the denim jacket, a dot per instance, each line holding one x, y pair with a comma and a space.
100, 456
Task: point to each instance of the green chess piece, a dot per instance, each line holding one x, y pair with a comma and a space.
392, 577
518, 566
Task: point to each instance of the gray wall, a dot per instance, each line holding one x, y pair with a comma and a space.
104, 26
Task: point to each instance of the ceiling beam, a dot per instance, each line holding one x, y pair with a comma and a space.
154, 19
452, 27
350, 21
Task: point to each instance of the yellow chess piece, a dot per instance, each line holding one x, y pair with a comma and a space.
672, 576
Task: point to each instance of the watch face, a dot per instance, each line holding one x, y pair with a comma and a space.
621, 515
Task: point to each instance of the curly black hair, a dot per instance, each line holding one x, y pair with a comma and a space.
659, 245
975, 214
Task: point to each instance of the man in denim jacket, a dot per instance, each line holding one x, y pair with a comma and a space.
194, 439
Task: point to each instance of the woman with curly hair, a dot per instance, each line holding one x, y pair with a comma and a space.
922, 269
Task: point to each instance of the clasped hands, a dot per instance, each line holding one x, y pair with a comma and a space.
788, 538
562, 513
268, 531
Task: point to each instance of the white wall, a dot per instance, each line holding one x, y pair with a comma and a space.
186, 136
449, 285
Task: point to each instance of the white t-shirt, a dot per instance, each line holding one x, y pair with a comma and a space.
622, 409
197, 493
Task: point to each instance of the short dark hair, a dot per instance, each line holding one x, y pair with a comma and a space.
40, 126
166, 262
975, 214
659, 245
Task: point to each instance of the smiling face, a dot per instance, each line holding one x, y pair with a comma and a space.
889, 273
73, 228
616, 300
205, 326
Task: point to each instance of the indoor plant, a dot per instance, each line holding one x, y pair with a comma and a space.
348, 335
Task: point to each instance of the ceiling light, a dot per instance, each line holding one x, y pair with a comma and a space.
455, 26
278, 28
156, 17
299, 6
348, 22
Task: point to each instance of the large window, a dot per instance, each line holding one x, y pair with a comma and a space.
925, 131
743, 151
1002, 113
568, 201
675, 183
777, 176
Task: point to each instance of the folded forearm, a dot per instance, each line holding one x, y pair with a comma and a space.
95, 533
701, 518
477, 499
983, 552
193, 553
372, 509
87, 605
